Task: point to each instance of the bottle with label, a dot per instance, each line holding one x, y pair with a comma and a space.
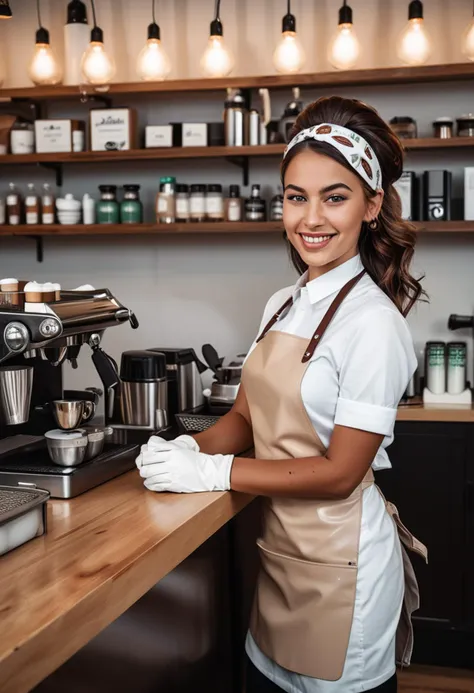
435, 367
131, 209
233, 204
108, 208
197, 202
276, 208
166, 201
456, 367
14, 203
255, 209
47, 205
32, 205
182, 203
214, 203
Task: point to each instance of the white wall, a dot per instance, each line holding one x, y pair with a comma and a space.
190, 290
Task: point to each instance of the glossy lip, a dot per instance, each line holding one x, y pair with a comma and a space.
312, 247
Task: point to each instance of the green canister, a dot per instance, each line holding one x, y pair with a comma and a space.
108, 211
131, 209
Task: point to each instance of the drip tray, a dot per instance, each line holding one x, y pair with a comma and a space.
35, 468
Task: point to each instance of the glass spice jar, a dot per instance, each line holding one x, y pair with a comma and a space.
166, 201
131, 209
214, 203
108, 211
233, 204
404, 127
197, 202
182, 203
465, 125
443, 128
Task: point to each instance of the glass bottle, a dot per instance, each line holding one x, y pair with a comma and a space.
131, 209
32, 205
14, 202
214, 203
233, 204
108, 208
254, 206
276, 207
166, 201
182, 203
197, 202
47, 205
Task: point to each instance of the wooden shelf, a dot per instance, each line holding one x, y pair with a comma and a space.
379, 76
441, 412
202, 152
195, 228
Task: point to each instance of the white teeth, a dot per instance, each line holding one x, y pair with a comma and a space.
314, 239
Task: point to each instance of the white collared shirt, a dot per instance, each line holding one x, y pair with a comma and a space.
356, 378
363, 364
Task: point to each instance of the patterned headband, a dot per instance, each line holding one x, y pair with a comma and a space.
357, 152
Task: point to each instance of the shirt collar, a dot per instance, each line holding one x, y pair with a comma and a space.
330, 282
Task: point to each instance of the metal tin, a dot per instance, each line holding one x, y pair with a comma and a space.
435, 367
457, 357
22, 516
254, 127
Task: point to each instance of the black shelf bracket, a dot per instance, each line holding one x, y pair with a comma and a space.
57, 168
243, 163
97, 98
39, 247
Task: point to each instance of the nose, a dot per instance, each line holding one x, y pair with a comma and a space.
314, 216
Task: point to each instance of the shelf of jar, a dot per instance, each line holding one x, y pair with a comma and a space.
202, 152
195, 228
334, 78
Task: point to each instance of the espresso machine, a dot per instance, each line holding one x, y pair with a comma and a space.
35, 341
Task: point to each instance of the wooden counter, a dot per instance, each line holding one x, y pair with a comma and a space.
102, 552
454, 413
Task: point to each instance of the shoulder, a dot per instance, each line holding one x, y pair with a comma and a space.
275, 302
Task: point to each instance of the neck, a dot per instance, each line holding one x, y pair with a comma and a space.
314, 272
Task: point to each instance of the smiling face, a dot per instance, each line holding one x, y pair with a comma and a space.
323, 210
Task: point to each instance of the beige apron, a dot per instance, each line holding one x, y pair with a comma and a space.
305, 595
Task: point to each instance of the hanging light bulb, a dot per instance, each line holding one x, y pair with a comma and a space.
153, 63
5, 10
289, 56
414, 45
344, 48
43, 68
98, 67
217, 60
468, 40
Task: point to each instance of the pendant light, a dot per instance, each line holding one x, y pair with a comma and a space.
98, 67
414, 44
217, 60
43, 68
468, 40
5, 10
153, 64
344, 48
289, 56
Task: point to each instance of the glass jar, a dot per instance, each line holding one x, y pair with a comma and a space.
404, 127
22, 138
108, 211
214, 203
182, 203
233, 204
255, 208
443, 128
166, 201
276, 208
13, 205
197, 203
131, 209
465, 125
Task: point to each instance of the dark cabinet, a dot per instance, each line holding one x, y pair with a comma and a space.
431, 484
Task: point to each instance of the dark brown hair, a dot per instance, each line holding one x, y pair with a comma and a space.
387, 251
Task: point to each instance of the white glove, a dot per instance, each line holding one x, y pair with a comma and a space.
186, 471
157, 444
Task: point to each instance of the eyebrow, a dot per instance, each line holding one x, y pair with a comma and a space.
323, 191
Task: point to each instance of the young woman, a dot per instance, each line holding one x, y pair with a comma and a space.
318, 401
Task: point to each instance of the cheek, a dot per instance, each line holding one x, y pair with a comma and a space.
347, 217
291, 215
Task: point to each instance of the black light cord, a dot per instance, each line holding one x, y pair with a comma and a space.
38, 12
218, 7
153, 10
289, 7
93, 14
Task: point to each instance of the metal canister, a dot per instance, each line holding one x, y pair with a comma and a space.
254, 127
435, 367
457, 357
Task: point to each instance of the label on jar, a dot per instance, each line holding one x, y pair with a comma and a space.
162, 204
182, 208
215, 205
22, 141
32, 217
78, 141
234, 211
198, 205
12, 200
47, 218
255, 215
14, 219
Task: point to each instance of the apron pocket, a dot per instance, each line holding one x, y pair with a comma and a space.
302, 614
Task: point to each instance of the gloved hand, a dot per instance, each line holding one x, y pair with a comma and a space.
181, 470
158, 444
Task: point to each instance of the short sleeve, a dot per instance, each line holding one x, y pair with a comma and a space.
377, 365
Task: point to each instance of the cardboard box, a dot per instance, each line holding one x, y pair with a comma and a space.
158, 136
53, 136
194, 135
113, 129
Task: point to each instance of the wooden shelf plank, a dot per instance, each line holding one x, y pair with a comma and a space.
335, 78
195, 228
441, 412
201, 152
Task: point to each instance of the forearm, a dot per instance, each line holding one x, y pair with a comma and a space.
231, 435
306, 477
